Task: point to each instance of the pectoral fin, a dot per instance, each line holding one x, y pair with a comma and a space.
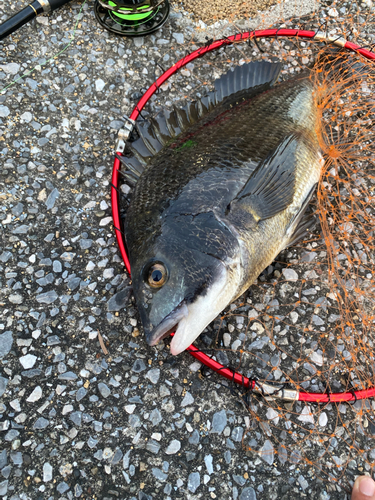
270, 188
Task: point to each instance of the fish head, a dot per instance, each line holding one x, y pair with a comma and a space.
180, 287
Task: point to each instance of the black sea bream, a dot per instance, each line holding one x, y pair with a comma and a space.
224, 187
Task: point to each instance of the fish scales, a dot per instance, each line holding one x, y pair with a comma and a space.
214, 207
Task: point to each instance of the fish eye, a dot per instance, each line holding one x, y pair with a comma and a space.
157, 275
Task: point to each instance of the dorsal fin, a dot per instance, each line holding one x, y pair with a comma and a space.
245, 81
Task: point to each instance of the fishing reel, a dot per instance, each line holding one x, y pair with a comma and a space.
131, 17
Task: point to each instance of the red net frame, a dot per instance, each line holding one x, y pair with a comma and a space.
247, 383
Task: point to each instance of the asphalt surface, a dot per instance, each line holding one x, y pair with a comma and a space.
87, 409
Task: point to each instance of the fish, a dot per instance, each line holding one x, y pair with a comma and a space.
221, 187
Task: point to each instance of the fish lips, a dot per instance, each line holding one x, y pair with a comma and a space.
167, 325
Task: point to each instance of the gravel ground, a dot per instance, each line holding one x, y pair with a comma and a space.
87, 409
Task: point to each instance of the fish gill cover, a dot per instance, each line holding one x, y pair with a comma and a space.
308, 321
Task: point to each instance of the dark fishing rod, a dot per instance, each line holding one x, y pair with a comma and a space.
27, 14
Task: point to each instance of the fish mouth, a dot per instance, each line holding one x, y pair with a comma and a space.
168, 324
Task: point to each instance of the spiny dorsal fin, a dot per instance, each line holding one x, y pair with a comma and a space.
246, 80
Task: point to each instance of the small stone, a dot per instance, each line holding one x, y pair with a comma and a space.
6, 341
290, 274
194, 481
155, 417
294, 317
173, 447
219, 422
153, 375
62, 487
15, 298
208, 462
3, 384
266, 453
28, 361
302, 481
306, 415
4, 111
248, 494
117, 456
138, 366
67, 376
47, 472
130, 409
11, 69
80, 394
47, 297
41, 423
282, 454
50, 202
76, 417
323, 419
179, 37
188, 400
159, 474
119, 300
3, 459
67, 256
3, 485
237, 434
333, 12
104, 390
316, 358
99, 85
35, 395
107, 453
153, 446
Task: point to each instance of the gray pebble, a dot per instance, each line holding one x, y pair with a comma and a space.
117, 456
138, 366
41, 423
67, 376
173, 447
188, 400
62, 487
248, 494
158, 474
5, 256
3, 459
6, 341
104, 390
47, 472
3, 488
85, 244
4, 111
219, 422
47, 297
237, 434
179, 37
119, 300
208, 462
18, 209
266, 453
81, 393
240, 480
76, 417
194, 438
194, 481
155, 417
153, 446
153, 375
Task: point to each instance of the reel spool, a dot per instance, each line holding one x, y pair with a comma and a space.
131, 17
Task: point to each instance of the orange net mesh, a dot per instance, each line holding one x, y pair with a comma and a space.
308, 322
